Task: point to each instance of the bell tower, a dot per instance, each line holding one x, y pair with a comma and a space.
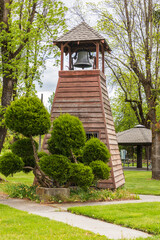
82, 92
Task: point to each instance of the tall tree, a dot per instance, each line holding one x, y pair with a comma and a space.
132, 28
27, 29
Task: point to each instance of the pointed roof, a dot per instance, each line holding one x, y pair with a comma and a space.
82, 32
139, 135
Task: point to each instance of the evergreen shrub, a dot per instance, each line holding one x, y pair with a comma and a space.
100, 169
56, 167
81, 175
94, 150
67, 134
27, 116
10, 164
24, 149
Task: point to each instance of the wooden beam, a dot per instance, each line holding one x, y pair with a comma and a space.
97, 55
102, 47
62, 50
70, 62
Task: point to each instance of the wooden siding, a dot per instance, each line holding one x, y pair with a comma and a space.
84, 94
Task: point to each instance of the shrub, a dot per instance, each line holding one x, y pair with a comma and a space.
57, 167
100, 169
67, 134
23, 147
27, 116
94, 150
42, 154
81, 175
10, 164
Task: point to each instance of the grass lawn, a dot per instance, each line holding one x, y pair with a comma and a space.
140, 182
20, 177
18, 225
142, 216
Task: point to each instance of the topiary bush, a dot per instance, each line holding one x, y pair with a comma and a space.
27, 116
67, 134
100, 170
81, 175
94, 150
42, 154
10, 164
56, 167
23, 147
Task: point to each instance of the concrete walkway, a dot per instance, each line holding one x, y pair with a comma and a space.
58, 212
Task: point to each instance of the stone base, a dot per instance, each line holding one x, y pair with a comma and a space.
46, 193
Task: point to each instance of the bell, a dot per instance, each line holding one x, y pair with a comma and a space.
82, 60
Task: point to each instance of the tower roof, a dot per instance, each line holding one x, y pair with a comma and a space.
82, 33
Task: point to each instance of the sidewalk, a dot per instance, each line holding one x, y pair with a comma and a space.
58, 212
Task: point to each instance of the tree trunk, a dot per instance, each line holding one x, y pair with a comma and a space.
155, 157
41, 178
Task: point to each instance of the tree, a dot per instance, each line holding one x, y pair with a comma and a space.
67, 136
50, 101
27, 29
132, 27
29, 117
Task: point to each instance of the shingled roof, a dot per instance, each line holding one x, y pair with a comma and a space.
139, 135
82, 32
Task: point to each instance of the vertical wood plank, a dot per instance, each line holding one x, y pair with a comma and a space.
62, 50
102, 58
97, 55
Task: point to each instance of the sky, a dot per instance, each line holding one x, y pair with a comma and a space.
50, 76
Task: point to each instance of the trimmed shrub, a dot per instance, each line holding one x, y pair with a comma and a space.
23, 147
28, 116
57, 167
94, 150
81, 175
67, 134
42, 154
100, 169
10, 164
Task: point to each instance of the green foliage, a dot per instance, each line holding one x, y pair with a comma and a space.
100, 169
57, 167
21, 191
81, 175
42, 154
67, 134
23, 147
10, 164
28, 116
94, 150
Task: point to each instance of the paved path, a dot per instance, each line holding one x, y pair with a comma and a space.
58, 212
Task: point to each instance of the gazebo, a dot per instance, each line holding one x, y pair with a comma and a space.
138, 136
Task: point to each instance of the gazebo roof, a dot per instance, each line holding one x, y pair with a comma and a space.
139, 135
82, 33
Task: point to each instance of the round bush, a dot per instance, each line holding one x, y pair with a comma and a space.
29, 161
10, 164
28, 116
81, 175
100, 169
23, 147
42, 154
67, 134
94, 150
57, 167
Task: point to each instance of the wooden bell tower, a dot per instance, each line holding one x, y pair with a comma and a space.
83, 93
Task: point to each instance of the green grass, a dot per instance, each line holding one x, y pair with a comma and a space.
142, 216
20, 177
18, 225
140, 182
